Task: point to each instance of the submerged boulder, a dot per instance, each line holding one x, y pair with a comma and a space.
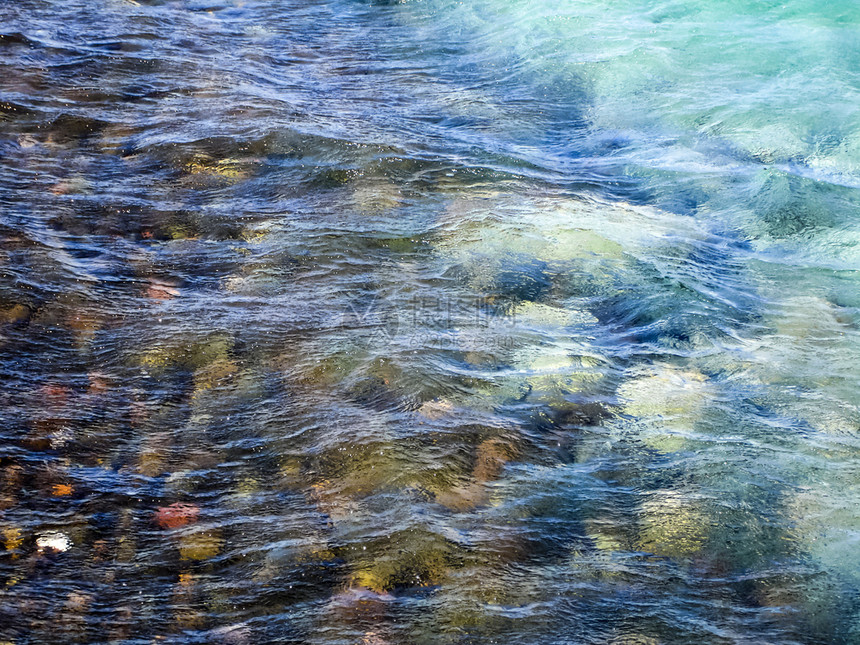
665, 403
671, 524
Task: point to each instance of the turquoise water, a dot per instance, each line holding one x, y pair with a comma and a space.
429, 322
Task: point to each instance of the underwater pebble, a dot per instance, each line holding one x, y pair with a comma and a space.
53, 542
61, 490
15, 313
201, 545
176, 515
13, 537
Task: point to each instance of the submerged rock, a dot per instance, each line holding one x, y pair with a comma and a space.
200, 544
491, 456
360, 606
204, 169
161, 290
61, 490
566, 244
436, 409
176, 515
238, 634
192, 356
673, 395
155, 449
14, 313
74, 185
407, 558
375, 197
13, 539
606, 535
364, 471
535, 314
216, 373
53, 542
666, 403
671, 524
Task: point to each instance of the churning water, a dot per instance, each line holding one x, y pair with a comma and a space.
428, 321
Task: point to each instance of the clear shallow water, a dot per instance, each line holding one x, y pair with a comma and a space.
423, 322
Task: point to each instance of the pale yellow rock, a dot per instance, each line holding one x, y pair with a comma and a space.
237, 283
552, 231
665, 441
187, 618
552, 374
671, 525
151, 463
214, 374
555, 359
462, 498
27, 141
666, 392
256, 233
14, 579
152, 459
180, 482
230, 169
373, 579
543, 315
810, 319
291, 472
157, 358
666, 403
78, 602
200, 544
825, 521
578, 244
465, 212
605, 535
248, 486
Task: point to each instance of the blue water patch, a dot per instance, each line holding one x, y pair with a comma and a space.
429, 321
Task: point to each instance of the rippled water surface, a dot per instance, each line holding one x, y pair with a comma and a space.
429, 321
